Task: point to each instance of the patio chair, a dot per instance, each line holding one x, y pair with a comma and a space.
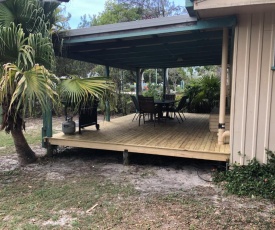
179, 109
169, 97
135, 101
147, 106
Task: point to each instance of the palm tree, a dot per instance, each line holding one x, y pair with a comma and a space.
35, 16
22, 80
18, 90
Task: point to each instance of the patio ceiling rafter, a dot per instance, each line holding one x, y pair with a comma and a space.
152, 43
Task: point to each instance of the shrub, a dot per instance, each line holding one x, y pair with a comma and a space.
203, 93
254, 179
153, 91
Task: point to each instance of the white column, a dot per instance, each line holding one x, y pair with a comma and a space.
137, 81
223, 86
164, 82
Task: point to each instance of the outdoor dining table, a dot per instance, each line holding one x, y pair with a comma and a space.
164, 103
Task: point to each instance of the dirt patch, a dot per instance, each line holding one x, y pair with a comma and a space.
153, 179
148, 178
8, 163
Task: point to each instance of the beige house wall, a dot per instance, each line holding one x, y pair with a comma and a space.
210, 4
252, 124
220, 8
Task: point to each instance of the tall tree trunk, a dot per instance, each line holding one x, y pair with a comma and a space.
24, 152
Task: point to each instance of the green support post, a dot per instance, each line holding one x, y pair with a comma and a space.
107, 103
47, 126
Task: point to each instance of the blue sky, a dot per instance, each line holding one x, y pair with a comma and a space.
80, 7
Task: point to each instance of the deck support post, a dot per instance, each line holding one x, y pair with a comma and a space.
221, 125
107, 103
126, 156
137, 82
50, 150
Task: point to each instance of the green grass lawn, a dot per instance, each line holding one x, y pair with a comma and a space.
7, 145
31, 202
32, 134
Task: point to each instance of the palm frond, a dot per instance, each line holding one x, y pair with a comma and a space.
76, 91
25, 51
6, 15
51, 12
43, 50
21, 88
7, 82
13, 46
35, 16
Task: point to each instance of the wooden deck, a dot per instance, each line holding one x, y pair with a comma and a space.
190, 139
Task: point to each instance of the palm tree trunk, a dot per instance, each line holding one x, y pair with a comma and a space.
24, 152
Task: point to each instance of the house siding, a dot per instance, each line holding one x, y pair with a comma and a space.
253, 88
210, 4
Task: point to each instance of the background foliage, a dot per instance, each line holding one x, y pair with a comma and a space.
203, 93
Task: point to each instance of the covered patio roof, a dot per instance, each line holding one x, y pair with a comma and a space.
178, 41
